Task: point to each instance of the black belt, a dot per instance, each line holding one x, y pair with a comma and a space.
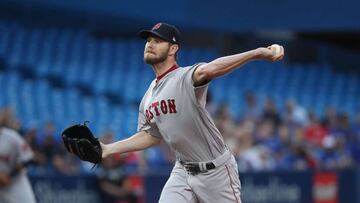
194, 168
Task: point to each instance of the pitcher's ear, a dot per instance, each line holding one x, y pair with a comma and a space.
174, 48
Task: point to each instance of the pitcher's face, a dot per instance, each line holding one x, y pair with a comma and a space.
156, 50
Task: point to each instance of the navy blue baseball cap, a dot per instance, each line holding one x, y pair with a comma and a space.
164, 31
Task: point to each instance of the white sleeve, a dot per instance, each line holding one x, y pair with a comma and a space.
199, 93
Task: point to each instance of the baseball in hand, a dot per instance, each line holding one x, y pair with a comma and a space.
277, 49
277, 52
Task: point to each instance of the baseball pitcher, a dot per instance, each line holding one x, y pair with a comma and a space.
173, 110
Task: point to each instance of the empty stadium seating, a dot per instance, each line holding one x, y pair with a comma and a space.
68, 76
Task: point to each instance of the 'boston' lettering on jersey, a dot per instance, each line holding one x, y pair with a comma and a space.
160, 107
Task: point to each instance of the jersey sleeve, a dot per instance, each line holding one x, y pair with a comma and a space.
143, 125
198, 93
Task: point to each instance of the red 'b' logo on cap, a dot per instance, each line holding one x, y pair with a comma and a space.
156, 26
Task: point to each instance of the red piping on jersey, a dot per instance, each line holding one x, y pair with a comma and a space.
166, 72
231, 184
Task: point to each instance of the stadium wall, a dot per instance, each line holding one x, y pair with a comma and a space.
257, 187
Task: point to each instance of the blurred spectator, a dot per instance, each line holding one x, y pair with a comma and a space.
334, 155
243, 138
48, 131
298, 137
251, 109
265, 133
255, 159
56, 155
249, 156
302, 159
330, 118
64, 162
224, 121
49, 147
315, 132
31, 138
295, 114
343, 128
270, 112
281, 149
115, 186
159, 159
284, 136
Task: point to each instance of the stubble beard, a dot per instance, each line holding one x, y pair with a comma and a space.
156, 59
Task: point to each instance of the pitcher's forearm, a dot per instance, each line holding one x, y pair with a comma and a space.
224, 65
137, 142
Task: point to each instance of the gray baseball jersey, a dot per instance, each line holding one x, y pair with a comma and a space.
14, 150
174, 110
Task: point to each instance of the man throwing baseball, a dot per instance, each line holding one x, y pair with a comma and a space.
173, 110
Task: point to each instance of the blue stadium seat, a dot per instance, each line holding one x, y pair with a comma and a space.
116, 79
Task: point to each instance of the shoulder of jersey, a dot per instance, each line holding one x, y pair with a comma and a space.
9, 131
181, 70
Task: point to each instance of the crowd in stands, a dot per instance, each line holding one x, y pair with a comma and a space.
291, 138
264, 138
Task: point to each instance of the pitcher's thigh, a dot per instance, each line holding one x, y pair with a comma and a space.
176, 190
222, 185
